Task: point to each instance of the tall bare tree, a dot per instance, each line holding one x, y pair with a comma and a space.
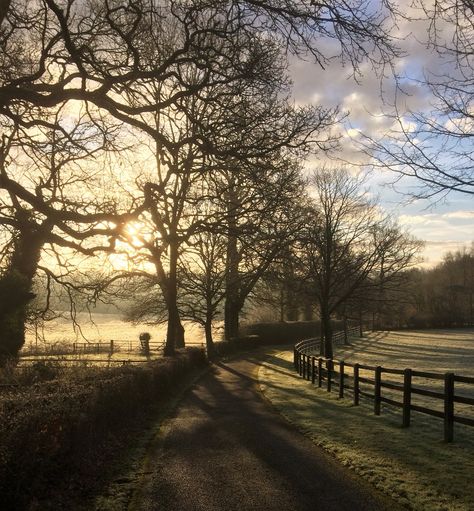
49, 196
348, 246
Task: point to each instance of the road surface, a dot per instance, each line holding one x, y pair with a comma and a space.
225, 448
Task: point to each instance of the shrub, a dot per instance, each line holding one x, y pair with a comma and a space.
62, 430
223, 348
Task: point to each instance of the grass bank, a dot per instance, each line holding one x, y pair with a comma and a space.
412, 465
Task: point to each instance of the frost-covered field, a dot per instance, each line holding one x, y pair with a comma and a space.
439, 351
413, 465
424, 350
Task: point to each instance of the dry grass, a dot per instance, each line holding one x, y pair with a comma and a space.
412, 465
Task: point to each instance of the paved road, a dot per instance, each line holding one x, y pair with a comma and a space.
226, 449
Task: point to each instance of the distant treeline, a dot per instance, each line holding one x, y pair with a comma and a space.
444, 295
438, 297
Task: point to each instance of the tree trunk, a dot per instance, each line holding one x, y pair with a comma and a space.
169, 350
292, 312
179, 328
210, 349
232, 287
175, 330
15, 293
327, 332
292, 306
346, 340
308, 310
282, 305
231, 319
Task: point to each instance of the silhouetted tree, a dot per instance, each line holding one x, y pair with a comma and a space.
49, 198
348, 246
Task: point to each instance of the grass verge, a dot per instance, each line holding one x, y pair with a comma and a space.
413, 466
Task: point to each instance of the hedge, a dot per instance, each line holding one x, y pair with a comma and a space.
64, 430
287, 332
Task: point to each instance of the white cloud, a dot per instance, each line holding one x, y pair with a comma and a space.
371, 104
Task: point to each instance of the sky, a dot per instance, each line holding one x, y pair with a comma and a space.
444, 224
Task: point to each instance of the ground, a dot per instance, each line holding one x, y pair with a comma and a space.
413, 465
226, 448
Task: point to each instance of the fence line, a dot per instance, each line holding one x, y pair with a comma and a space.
333, 373
96, 347
338, 339
106, 361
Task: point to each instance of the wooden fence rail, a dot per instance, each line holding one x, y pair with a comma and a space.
91, 347
330, 372
77, 352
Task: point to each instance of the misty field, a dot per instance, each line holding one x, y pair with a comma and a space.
103, 327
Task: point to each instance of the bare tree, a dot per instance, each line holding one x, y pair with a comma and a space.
49, 197
348, 245
435, 145
98, 49
202, 279
261, 221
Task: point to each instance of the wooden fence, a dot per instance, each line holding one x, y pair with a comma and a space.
333, 373
338, 339
94, 347
75, 352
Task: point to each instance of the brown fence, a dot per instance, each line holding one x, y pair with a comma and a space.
353, 377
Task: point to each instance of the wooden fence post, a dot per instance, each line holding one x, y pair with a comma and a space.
300, 364
406, 398
329, 370
320, 372
448, 407
377, 390
356, 384
341, 379
111, 347
313, 370
303, 371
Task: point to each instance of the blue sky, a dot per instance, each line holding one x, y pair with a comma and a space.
445, 224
